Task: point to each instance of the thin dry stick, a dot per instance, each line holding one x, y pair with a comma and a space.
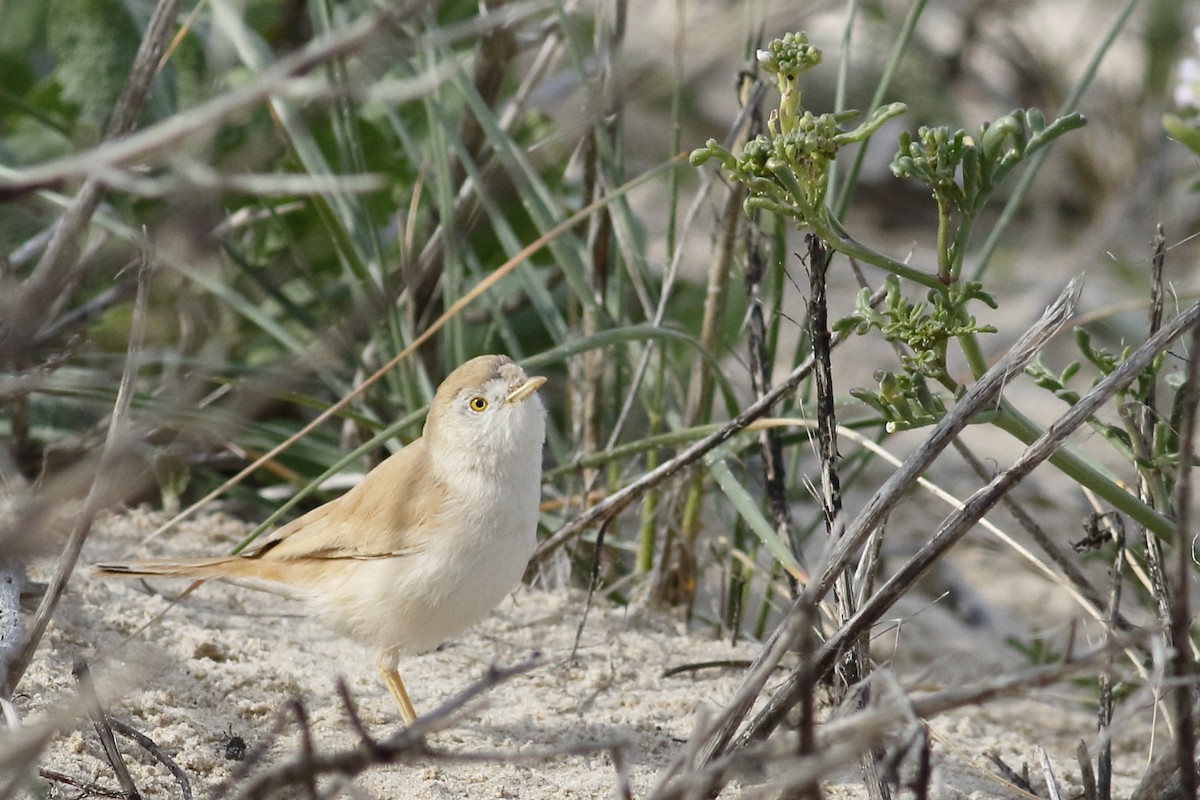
808, 695
1019, 780
585, 371
699, 401
698, 406
494, 54
1087, 775
1105, 705
852, 668
87, 688
1182, 666
405, 745
88, 788
600, 141
352, 714
1144, 443
307, 752
920, 780
1048, 772
761, 361
101, 487
151, 747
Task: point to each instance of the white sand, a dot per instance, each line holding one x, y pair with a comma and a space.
226, 661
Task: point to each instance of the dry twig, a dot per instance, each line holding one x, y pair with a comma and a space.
151, 747
103, 483
87, 688
406, 745
1182, 665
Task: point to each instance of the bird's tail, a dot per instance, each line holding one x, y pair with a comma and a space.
274, 577
195, 568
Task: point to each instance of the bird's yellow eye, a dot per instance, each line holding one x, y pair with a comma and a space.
478, 403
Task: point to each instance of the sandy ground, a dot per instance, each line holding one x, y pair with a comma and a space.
228, 660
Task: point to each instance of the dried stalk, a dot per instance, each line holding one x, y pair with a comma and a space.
87, 689
1104, 710
1087, 776
102, 486
412, 743
1048, 772
853, 666
1182, 665
1143, 441
699, 393
151, 747
807, 726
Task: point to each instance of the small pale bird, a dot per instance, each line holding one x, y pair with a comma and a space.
428, 543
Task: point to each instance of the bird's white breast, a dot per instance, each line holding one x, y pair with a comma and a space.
473, 554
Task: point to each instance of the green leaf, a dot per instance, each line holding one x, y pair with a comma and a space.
1186, 134
95, 42
747, 508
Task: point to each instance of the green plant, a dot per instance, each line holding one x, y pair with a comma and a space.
786, 172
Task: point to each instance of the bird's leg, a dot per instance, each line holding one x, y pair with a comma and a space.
387, 663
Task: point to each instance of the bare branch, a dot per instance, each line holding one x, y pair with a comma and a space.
405, 745
104, 483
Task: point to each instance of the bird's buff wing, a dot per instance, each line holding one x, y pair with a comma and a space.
384, 516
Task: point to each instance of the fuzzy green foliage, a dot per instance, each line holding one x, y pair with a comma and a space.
95, 42
788, 172
925, 328
963, 171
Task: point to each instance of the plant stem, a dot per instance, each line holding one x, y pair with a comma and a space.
969, 343
943, 246
1078, 469
836, 238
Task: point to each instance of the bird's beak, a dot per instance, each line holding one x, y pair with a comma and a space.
525, 389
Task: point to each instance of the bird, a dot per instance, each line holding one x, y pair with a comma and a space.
427, 544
